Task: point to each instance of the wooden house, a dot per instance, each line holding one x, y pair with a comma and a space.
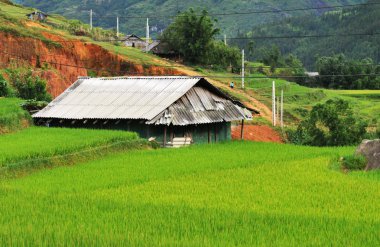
134, 41
170, 109
37, 16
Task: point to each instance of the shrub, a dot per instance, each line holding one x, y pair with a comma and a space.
3, 87
354, 162
27, 85
330, 124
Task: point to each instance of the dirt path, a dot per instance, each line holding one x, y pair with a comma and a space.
259, 133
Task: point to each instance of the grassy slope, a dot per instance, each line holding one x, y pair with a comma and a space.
221, 195
299, 99
12, 116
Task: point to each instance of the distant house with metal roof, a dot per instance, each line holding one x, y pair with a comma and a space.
37, 16
188, 109
133, 40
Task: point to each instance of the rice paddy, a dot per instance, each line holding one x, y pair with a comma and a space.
45, 142
232, 194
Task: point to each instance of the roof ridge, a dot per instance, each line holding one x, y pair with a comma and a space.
140, 77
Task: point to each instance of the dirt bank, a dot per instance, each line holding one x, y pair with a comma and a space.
69, 60
259, 133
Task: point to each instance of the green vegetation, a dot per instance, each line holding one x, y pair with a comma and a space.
298, 99
36, 141
354, 162
193, 37
330, 124
164, 8
238, 193
38, 147
363, 19
12, 116
28, 85
4, 88
348, 73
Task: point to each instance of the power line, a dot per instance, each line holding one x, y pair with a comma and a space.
240, 13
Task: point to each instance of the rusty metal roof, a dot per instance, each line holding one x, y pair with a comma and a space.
159, 100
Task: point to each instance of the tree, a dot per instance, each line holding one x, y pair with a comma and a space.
330, 124
192, 36
340, 73
271, 57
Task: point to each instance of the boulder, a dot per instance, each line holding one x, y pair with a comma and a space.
371, 150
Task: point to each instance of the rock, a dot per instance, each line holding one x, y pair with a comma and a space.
371, 150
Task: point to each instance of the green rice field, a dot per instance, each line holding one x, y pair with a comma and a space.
232, 194
45, 142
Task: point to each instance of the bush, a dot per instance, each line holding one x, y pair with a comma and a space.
330, 124
3, 87
354, 162
27, 85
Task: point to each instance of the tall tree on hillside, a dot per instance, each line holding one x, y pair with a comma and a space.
191, 35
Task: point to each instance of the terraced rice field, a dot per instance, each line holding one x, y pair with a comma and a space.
233, 194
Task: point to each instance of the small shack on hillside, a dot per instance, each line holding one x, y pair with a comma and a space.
134, 41
162, 49
173, 110
37, 16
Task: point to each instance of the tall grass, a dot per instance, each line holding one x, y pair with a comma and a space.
235, 194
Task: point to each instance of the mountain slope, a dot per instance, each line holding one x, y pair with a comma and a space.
105, 11
358, 20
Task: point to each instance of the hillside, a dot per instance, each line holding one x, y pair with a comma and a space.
363, 19
65, 56
105, 12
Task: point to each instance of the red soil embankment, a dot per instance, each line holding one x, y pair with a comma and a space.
69, 61
259, 133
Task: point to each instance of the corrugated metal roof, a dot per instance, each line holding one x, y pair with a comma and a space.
177, 100
118, 98
198, 106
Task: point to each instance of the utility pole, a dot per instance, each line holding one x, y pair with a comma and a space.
242, 69
274, 103
225, 40
278, 109
282, 108
147, 35
91, 19
117, 26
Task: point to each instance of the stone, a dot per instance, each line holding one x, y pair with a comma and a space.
371, 150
